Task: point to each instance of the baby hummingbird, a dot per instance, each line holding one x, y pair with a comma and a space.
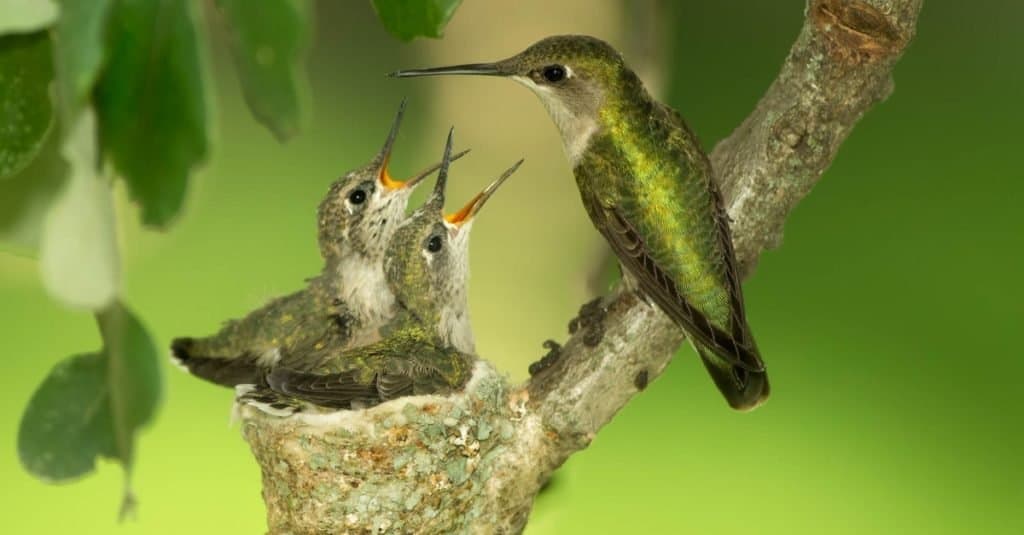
346, 304
649, 189
428, 345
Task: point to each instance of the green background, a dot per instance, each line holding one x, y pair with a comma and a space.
888, 317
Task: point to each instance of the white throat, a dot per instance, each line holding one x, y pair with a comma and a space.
455, 326
576, 131
365, 290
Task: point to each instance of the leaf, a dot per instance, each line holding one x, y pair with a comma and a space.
26, 197
94, 404
78, 51
78, 251
23, 16
67, 423
268, 41
407, 19
26, 110
151, 104
133, 375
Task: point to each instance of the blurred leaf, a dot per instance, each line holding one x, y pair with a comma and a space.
268, 41
78, 51
78, 251
151, 103
26, 197
67, 423
407, 19
22, 16
134, 387
26, 110
93, 405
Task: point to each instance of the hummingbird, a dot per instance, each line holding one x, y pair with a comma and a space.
427, 347
344, 305
649, 189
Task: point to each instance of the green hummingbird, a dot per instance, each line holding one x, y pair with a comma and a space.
345, 305
427, 347
649, 189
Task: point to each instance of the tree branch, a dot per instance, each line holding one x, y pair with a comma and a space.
473, 462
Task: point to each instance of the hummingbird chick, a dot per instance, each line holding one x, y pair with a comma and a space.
649, 188
428, 346
345, 305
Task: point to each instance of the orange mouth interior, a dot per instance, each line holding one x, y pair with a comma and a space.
465, 214
388, 181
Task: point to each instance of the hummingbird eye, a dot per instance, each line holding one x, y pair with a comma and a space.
554, 73
434, 244
358, 196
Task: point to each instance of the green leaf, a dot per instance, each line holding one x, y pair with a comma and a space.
268, 41
93, 405
67, 423
78, 51
407, 19
78, 250
133, 375
151, 104
26, 198
22, 16
26, 110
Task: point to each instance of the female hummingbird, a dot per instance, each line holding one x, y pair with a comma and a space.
427, 347
346, 304
649, 189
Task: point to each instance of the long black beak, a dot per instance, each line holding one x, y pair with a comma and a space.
479, 69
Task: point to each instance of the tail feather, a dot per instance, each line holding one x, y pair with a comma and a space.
267, 400
224, 371
743, 389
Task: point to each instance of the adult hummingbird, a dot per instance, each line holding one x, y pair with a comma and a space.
649, 189
427, 347
345, 305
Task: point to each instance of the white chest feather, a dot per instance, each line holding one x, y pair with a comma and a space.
454, 324
458, 331
365, 291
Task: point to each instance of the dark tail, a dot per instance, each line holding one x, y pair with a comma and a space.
224, 371
744, 390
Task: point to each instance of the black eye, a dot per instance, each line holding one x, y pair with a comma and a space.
554, 73
357, 197
434, 245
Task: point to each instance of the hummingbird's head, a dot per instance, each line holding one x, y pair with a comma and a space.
573, 75
427, 261
363, 208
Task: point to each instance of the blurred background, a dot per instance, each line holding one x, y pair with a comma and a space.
887, 316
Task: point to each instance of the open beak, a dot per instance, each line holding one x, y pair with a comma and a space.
388, 182
478, 69
469, 211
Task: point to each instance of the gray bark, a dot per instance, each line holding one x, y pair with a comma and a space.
474, 462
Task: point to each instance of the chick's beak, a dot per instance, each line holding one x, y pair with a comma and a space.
469, 211
387, 181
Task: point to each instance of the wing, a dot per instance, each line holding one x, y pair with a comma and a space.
369, 375
660, 286
243, 349
345, 390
